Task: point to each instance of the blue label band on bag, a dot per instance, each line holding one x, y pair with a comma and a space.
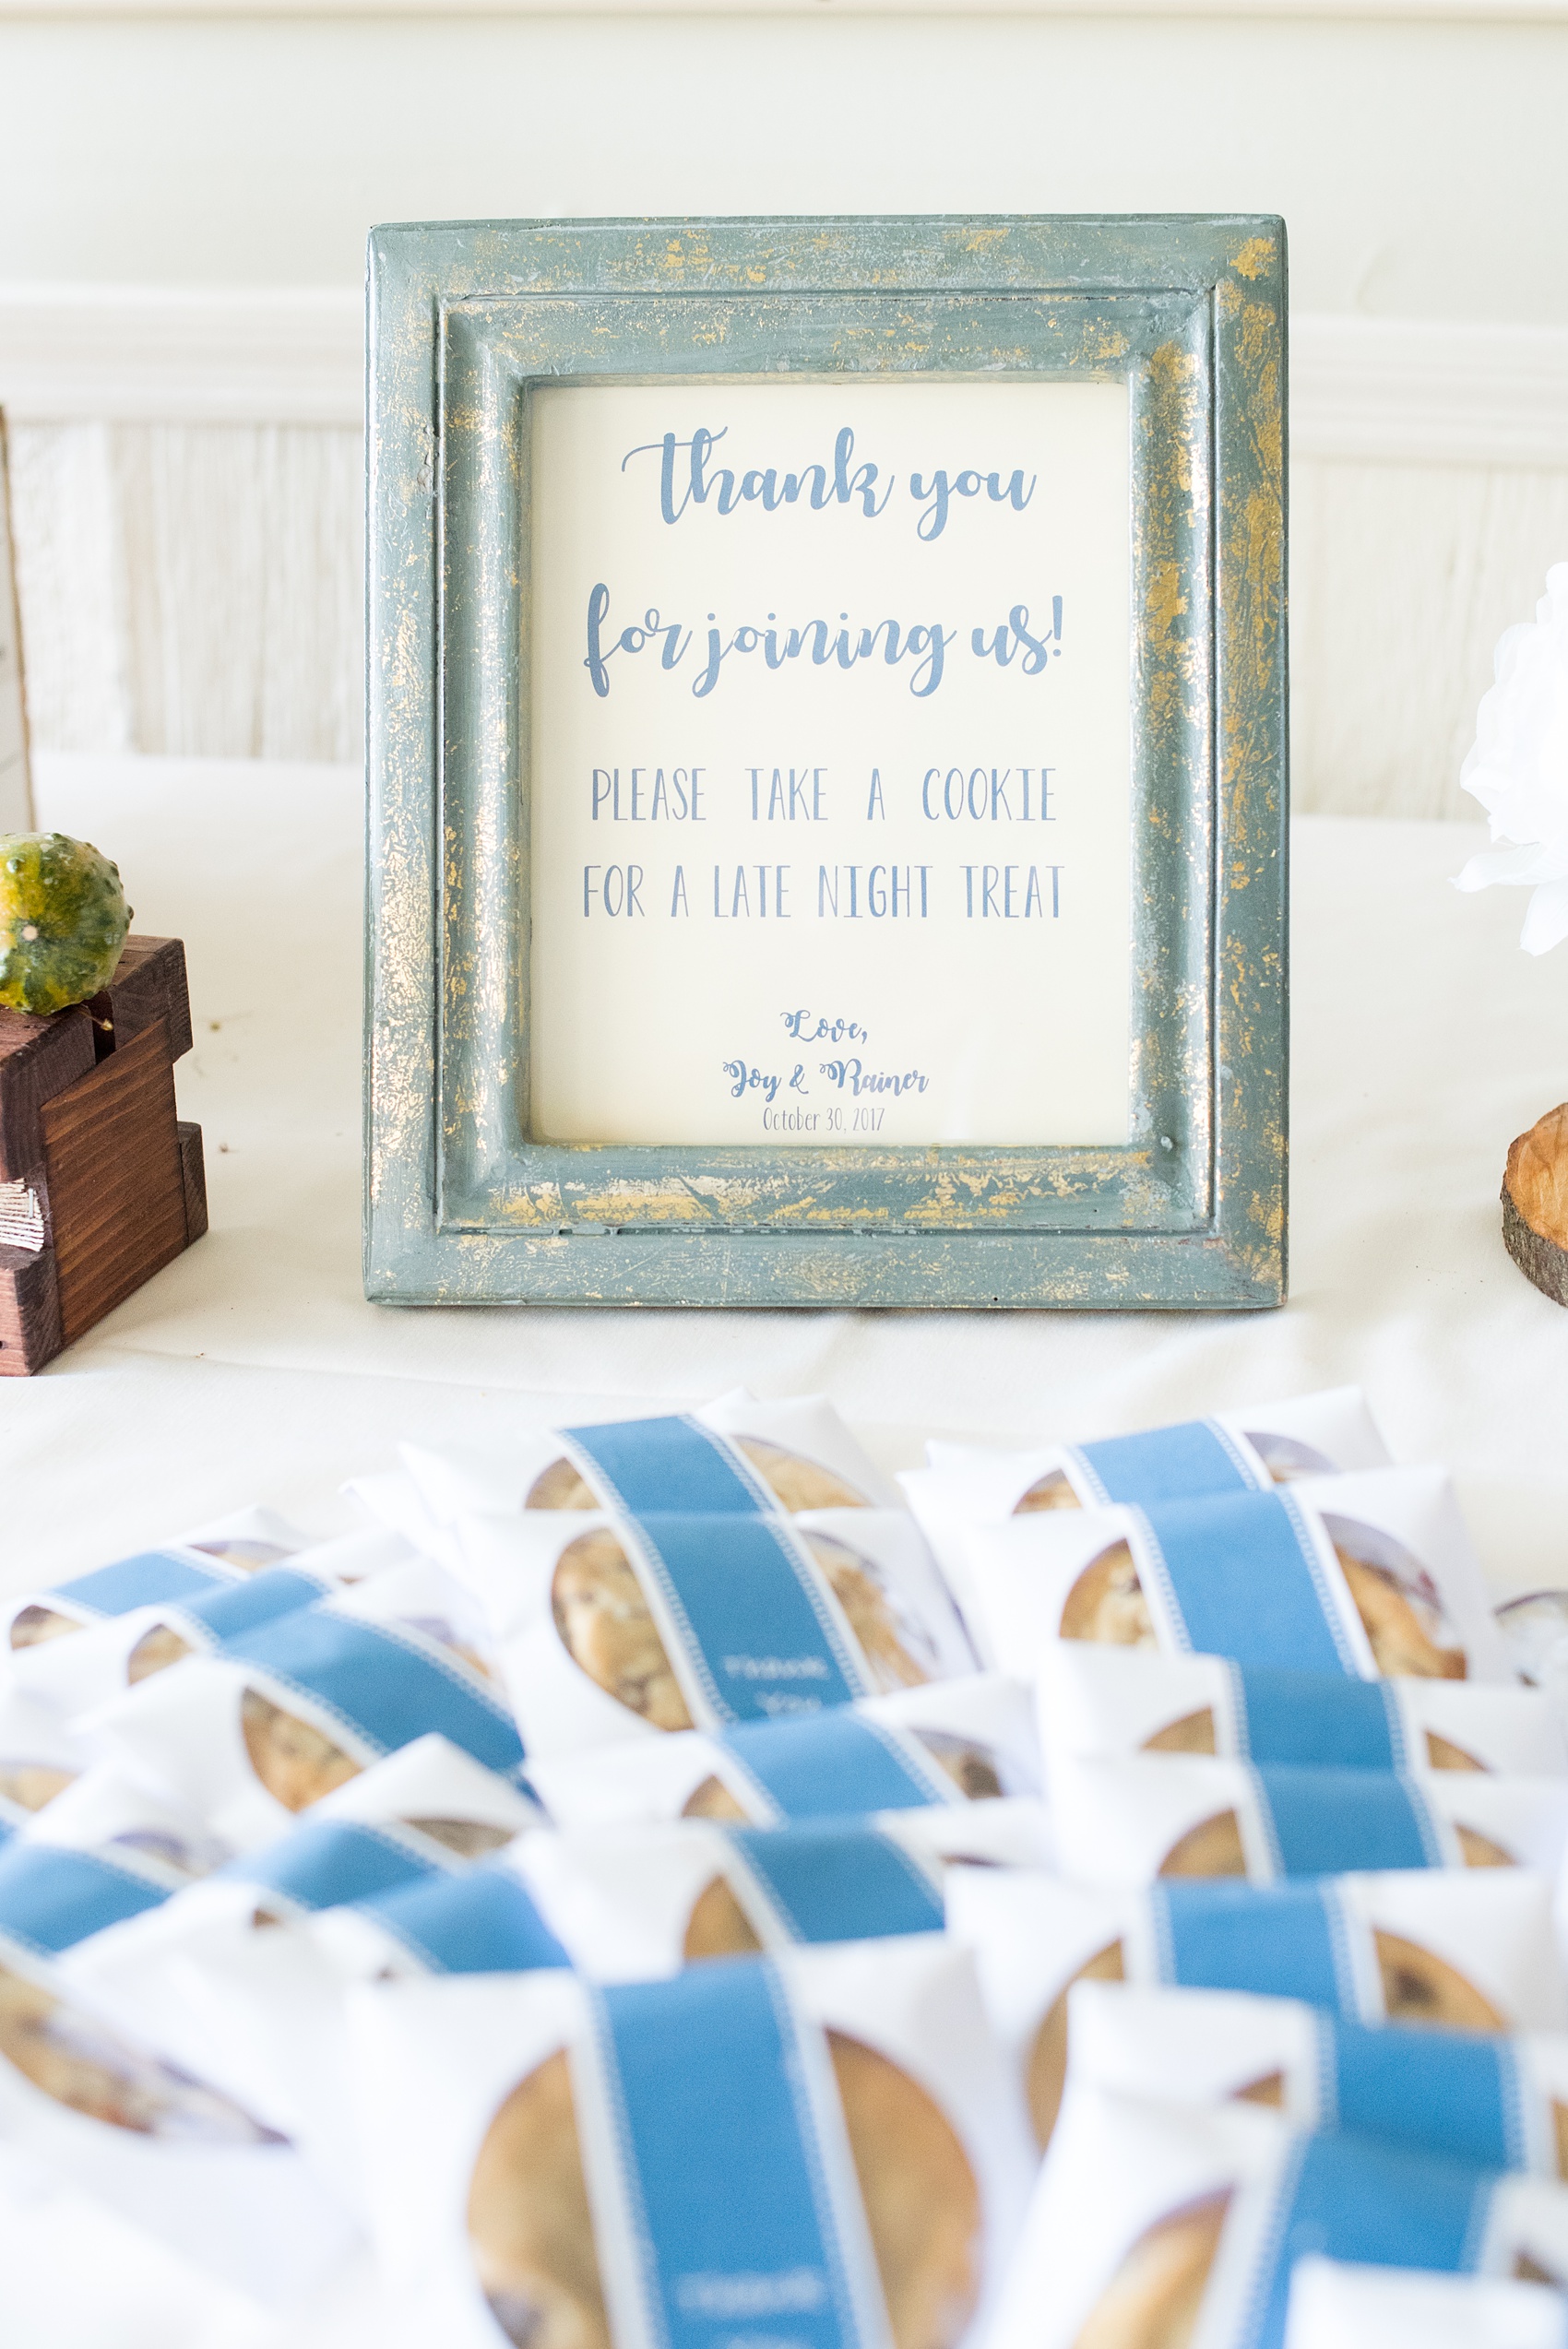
382, 1688
1240, 1577
1166, 1463
50, 1898
261, 1598
480, 1922
734, 2229
750, 1617
1281, 1940
325, 1863
1444, 2092
1317, 1720
142, 1580
834, 1764
1339, 1822
834, 1882
673, 1465
1351, 2198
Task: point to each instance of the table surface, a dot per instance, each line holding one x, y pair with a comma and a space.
253, 1369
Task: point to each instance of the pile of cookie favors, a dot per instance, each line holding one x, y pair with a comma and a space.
666, 1886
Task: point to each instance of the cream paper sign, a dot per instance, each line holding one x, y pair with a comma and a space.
830, 764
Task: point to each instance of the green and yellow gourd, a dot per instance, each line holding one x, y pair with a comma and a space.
63, 921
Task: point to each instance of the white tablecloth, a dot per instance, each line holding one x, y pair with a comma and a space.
253, 1368
1423, 1042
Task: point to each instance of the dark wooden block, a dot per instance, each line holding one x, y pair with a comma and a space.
192, 1167
148, 984
39, 1058
30, 1313
88, 1121
116, 1181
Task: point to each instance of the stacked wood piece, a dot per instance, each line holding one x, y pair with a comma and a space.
1535, 1204
94, 1154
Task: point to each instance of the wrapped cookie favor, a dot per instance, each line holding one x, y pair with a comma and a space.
1337, 2304
1126, 1820
39, 1757
733, 1456
225, 1978
105, 1849
950, 1741
204, 1623
1152, 2223
1250, 1448
1452, 1949
821, 2147
1366, 1575
110, 2111
485, 1919
427, 1810
283, 1713
109, 2114
1246, 1450
613, 1627
1099, 1700
67, 1644
629, 1903
1500, 2102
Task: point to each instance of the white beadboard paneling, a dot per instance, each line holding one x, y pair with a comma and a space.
1402, 579
16, 789
198, 590
191, 582
193, 588
70, 575
243, 588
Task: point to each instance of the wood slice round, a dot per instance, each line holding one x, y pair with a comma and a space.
1535, 1204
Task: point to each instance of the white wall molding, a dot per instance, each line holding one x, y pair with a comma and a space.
1426, 392
175, 355
1490, 12
1390, 390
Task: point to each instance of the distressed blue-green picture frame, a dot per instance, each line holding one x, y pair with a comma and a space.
463, 1204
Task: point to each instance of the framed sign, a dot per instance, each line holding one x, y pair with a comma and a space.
827, 762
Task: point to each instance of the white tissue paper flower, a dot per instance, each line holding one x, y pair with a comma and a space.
1518, 767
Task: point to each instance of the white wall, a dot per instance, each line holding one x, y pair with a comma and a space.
1419, 164
192, 585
